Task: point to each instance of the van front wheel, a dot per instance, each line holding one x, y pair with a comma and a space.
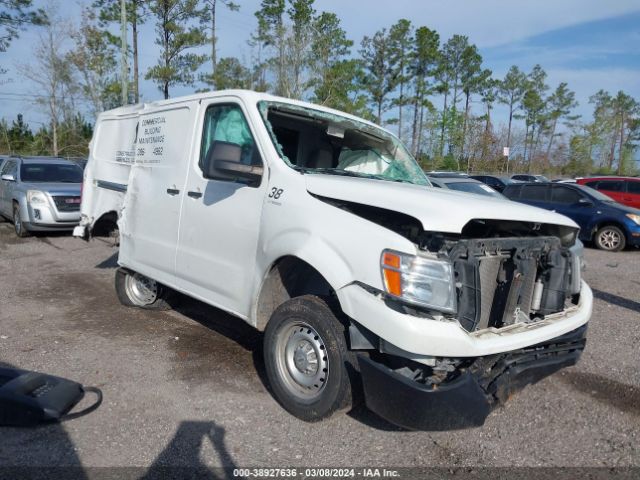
307, 359
136, 290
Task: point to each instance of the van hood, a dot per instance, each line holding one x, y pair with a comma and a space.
438, 210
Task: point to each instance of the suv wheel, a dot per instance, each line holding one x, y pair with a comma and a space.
18, 225
306, 358
136, 290
610, 238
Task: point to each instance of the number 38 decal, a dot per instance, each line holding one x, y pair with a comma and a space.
276, 192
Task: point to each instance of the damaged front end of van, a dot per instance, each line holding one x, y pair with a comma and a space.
480, 306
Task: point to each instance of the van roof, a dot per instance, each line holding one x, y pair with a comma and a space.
249, 96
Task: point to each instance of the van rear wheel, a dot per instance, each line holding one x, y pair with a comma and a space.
136, 290
306, 358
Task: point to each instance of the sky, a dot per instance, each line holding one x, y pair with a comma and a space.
590, 44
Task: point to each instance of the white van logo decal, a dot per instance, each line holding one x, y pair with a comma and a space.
151, 133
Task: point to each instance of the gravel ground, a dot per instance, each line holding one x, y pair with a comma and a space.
187, 387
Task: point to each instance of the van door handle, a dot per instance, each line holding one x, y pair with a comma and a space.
194, 194
173, 191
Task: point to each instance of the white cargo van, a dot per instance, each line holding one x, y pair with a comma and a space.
320, 229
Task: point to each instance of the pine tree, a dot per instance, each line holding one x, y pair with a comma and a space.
511, 91
209, 19
561, 102
176, 35
109, 13
16, 15
380, 79
400, 43
423, 64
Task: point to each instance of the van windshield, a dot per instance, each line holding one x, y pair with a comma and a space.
313, 141
50, 172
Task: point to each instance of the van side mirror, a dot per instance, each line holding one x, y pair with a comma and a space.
8, 177
224, 162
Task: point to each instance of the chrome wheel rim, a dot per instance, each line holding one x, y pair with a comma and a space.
140, 289
302, 361
610, 239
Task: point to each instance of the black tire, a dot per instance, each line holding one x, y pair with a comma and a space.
610, 238
159, 297
18, 225
308, 319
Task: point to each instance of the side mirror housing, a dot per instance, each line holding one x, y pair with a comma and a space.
583, 202
8, 178
224, 162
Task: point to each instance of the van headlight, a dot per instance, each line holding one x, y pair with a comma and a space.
419, 280
36, 197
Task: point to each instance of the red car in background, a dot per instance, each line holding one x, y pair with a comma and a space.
625, 190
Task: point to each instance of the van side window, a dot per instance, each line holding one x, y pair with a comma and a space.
226, 123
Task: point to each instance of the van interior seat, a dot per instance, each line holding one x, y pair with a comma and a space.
321, 158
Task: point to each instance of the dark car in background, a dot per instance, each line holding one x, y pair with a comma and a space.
610, 225
497, 183
625, 190
530, 178
462, 183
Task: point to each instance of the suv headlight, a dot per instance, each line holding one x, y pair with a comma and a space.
419, 280
36, 197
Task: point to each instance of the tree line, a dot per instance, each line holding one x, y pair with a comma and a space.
435, 93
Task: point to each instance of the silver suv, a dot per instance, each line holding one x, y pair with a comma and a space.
40, 193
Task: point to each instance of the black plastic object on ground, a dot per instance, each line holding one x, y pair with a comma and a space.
31, 398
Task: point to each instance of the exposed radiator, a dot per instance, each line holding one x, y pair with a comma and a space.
496, 279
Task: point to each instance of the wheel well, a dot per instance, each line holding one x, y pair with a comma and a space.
105, 225
288, 277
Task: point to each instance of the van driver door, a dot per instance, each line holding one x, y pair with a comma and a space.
220, 217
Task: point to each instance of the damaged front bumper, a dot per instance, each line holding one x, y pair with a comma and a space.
420, 337
468, 397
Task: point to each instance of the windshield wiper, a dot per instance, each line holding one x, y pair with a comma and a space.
349, 173
344, 173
